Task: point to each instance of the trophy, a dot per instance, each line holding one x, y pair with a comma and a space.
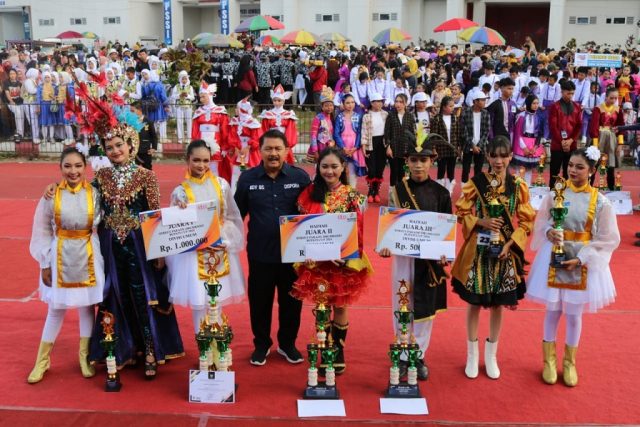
540, 170
618, 184
112, 383
558, 213
204, 340
602, 170
521, 172
322, 345
404, 344
495, 210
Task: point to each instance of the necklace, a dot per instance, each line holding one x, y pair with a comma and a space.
123, 174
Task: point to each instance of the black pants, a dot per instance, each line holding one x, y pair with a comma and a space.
611, 177
264, 97
397, 170
478, 162
144, 160
377, 158
264, 278
559, 159
447, 165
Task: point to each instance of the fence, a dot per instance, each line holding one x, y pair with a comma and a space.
26, 147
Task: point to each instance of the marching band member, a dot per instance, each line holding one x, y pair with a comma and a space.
183, 96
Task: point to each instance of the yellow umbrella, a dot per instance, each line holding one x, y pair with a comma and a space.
302, 38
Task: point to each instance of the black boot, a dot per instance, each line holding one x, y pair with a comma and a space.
339, 335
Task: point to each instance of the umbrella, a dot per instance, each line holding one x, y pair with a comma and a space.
201, 36
70, 35
217, 40
334, 37
259, 23
519, 53
301, 37
269, 41
482, 35
455, 24
90, 35
391, 35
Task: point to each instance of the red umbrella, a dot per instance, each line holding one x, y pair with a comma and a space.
455, 24
70, 35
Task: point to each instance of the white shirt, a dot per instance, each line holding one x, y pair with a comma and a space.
447, 124
590, 102
477, 116
582, 89
550, 92
377, 123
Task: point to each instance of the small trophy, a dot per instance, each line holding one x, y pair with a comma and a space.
204, 340
323, 346
112, 383
243, 162
558, 213
618, 185
602, 170
540, 170
495, 210
404, 343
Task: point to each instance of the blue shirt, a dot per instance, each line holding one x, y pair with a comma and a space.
265, 199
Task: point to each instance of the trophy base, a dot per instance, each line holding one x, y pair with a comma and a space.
321, 391
112, 385
494, 250
403, 391
557, 259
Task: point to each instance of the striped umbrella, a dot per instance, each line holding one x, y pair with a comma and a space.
70, 35
455, 24
90, 35
482, 35
268, 41
334, 37
201, 36
302, 38
259, 23
391, 35
217, 40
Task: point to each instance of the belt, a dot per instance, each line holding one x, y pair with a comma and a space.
74, 234
528, 135
605, 128
577, 236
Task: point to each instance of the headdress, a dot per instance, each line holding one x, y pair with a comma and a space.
208, 88
326, 95
280, 93
593, 153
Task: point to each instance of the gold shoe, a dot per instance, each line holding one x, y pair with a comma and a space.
569, 372
43, 362
550, 370
87, 370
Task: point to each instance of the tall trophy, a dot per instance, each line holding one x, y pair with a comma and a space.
321, 345
539, 182
112, 383
618, 184
602, 170
204, 338
558, 214
404, 345
495, 210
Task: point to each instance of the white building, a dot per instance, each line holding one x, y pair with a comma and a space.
550, 22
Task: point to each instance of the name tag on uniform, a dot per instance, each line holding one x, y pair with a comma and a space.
484, 237
513, 108
563, 134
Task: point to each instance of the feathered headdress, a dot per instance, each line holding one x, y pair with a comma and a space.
108, 117
326, 95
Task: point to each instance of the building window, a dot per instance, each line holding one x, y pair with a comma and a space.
46, 22
385, 16
617, 20
630, 20
249, 12
327, 18
78, 21
582, 20
112, 20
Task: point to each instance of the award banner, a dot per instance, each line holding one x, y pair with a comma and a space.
212, 387
536, 194
321, 237
173, 230
417, 234
605, 60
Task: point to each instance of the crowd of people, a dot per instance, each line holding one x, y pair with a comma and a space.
408, 108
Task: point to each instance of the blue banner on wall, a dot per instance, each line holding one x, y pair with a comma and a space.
224, 16
168, 30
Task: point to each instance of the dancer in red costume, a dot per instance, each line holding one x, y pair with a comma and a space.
211, 124
244, 137
281, 119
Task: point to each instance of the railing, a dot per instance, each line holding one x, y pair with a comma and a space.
171, 147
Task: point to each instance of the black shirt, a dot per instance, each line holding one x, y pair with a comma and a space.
265, 200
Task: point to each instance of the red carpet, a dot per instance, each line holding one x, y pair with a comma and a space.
607, 359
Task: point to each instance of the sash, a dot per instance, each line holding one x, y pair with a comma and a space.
482, 185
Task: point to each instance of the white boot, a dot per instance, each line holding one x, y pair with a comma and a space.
452, 185
471, 370
490, 359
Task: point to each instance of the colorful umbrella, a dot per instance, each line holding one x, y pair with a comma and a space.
334, 37
301, 37
217, 40
259, 23
482, 35
391, 35
455, 24
268, 41
90, 35
70, 35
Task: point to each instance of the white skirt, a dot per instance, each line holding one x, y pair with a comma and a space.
63, 298
187, 289
599, 293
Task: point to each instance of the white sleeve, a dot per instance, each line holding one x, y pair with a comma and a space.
356, 97
232, 230
542, 224
605, 239
42, 233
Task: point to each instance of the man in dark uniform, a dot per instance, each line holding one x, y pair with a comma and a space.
148, 139
426, 278
264, 193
